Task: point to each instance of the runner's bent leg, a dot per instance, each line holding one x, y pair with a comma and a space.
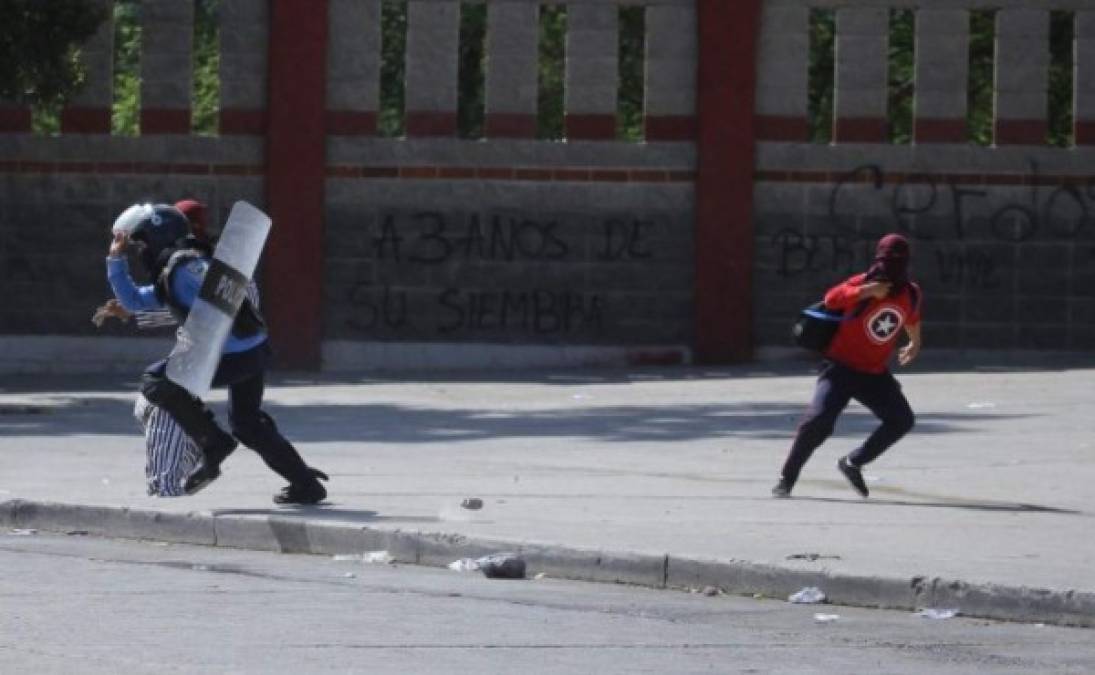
830, 398
882, 395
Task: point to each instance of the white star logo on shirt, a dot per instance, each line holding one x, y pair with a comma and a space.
886, 325
882, 325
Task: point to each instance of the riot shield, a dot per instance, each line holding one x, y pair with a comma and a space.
199, 342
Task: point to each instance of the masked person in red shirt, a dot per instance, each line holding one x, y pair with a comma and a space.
877, 304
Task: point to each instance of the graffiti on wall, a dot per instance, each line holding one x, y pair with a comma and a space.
961, 225
475, 245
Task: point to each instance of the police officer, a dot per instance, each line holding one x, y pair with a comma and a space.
176, 261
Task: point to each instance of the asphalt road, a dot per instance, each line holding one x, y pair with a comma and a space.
77, 604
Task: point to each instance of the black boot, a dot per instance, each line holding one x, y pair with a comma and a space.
307, 492
210, 468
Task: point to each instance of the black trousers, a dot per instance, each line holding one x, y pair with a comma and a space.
244, 375
837, 384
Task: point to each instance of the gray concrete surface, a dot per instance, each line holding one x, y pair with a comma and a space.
986, 505
89, 605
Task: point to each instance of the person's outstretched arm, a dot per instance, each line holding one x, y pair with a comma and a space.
134, 298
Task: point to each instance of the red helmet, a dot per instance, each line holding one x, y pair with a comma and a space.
195, 212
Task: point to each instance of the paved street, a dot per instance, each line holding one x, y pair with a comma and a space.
992, 486
89, 605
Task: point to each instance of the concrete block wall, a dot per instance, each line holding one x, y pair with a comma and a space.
1084, 77
508, 240
166, 66
512, 70
430, 239
1003, 235
60, 194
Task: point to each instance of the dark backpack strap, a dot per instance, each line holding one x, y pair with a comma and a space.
859, 308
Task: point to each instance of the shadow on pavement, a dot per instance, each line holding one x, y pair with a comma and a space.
330, 512
946, 503
388, 423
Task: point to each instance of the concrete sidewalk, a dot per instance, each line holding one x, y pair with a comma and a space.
652, 476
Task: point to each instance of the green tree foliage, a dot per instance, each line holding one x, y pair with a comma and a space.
472, 86
632, 55
552, 75
125, 118
55, 64
979, 115
1061, 95
393, 47
207, 83
902, 75
822, 74
39, 48
125, 113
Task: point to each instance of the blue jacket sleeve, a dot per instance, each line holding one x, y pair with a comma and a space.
186, 281
133, 297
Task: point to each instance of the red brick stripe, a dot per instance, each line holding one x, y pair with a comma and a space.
1085, 132
149, 168
670, 128
236, 121
351, 122
573, 174
165, 121
919, 178
590, 127
782, 128
931, 130
861, 130
15, 120
1021, 132
425, 123
77, 120
510, 125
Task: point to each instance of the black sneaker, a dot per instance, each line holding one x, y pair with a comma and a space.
311, 492
782, 488
201, 477
301, 494
854, 476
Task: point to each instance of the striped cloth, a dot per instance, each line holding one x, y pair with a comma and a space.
155, 318
170, 454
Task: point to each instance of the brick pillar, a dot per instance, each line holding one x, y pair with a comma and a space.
353, 64
513, 33
670, 113
862, 90
783, 102
244, 26
1084, 74
296, 158
942, 75
433, 45
14, 118
167, 30
89, 111
1022, 76
726, 89
592, 71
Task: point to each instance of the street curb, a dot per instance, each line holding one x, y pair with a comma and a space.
298, 534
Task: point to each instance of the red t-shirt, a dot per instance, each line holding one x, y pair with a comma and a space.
866, 342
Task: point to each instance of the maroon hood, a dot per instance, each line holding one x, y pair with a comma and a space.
891, 262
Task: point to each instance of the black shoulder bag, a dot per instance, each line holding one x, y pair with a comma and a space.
817, 325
